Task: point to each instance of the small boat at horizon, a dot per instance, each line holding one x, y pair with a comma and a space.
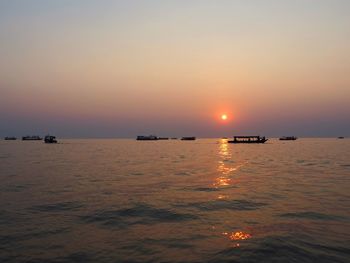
31, 138
147, 138
288, 138
248, 139
340, 137
188, 138
10, 138
50, 139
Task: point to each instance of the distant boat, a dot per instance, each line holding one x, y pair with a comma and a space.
188, 138
31, 138
163, 138
340, 137
248, 139
10, 138
147, 138
288, 138
50, 139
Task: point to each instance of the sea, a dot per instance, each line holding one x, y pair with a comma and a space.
122, 200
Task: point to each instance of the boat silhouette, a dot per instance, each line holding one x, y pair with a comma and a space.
32, 138
50, 139
147, 138
10, 138
248, 139
188, 138
288, 138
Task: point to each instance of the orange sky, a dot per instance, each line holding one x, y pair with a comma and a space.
150, 65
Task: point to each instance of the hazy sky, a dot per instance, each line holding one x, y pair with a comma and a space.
123, 68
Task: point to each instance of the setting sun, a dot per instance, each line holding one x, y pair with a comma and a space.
224, 117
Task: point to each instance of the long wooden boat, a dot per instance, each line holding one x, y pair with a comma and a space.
248, 139
288, 138
10, 138
188, 138
147, 138
31, 138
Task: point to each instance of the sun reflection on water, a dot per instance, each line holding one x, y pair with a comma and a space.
235, 236
221, 197
222, 181
239, 235
224, 169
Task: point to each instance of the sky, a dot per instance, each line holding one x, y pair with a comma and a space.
124, 68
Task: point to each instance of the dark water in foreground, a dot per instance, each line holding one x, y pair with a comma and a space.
175, 201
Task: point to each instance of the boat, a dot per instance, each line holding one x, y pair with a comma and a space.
163, 138
50, 139
31, 138
10, 138
288, 138
147, 138
248, 139
340, 137
188, 138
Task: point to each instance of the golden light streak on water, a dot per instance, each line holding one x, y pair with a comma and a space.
240, 235
226, 171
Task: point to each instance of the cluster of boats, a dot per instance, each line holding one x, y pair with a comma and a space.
47, 138
236, 139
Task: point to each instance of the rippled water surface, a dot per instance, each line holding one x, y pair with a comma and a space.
175, 201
